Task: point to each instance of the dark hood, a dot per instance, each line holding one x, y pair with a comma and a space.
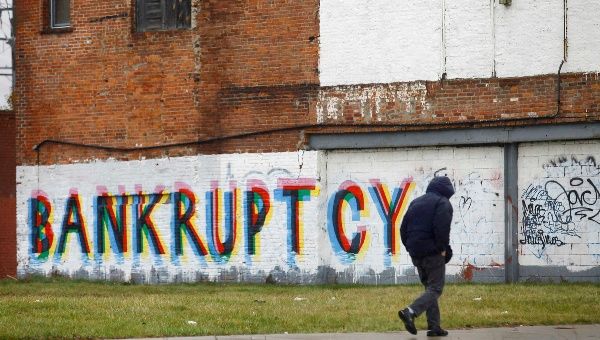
442, 186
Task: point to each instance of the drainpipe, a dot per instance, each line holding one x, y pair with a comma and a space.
564, 60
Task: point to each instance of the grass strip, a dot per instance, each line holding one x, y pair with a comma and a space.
60, 308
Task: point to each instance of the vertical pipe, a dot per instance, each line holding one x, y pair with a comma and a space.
565, 27
565, 51
12, 51
511, 216
443, 47
493, 21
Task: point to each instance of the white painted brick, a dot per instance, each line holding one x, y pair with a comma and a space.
477, 231
577, 251
594, 248
563, 250
528, 162
583, 23
580, 249
380, 42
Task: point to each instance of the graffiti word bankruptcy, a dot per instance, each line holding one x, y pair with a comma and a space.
114, 227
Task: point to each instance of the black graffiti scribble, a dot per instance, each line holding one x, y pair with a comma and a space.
566, 167
539, 237
578, 203
474, 193
552, 211
464, 205
554, 206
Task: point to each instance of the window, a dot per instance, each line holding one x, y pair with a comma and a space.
60, 13
161, 15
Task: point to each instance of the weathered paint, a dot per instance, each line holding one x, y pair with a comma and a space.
372, 103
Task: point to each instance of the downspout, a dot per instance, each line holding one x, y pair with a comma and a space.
443, 37
564, 60
13, 51
493, 18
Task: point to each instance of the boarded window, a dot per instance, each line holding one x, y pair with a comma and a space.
60, 13
161, 15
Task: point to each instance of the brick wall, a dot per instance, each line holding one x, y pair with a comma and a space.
130, 184
558, 232
246, 66
526, 100
8, 227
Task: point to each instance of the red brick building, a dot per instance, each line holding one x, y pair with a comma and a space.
127, 80
8, 244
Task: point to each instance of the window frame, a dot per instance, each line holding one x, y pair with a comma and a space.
171, 20
52, 16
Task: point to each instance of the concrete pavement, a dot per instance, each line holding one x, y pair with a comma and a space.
564, 332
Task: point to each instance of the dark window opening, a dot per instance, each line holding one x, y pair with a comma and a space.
162, 15
60, 13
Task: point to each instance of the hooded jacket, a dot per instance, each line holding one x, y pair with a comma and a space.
425, 229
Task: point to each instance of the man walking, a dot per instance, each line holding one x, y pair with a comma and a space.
425, 232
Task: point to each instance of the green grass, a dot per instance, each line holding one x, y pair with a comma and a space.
70, 309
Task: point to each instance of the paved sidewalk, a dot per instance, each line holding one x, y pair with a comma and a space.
572, 332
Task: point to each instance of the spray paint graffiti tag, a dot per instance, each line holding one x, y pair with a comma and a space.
553, 211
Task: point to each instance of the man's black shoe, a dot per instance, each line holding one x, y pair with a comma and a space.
409, 320
438, 331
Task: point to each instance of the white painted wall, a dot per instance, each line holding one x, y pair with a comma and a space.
378, 41
382, 41
5, 54
584, 33
560, 183
56, 181
469, 39
477, 232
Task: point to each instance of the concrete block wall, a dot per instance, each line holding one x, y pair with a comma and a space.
477, 234
60, 219
60, 216
284, 225
559, 210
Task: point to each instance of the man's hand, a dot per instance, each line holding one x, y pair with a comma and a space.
444, 253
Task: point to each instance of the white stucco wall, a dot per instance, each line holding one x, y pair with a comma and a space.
382, 41
559, 208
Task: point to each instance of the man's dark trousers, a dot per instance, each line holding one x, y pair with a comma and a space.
432, 273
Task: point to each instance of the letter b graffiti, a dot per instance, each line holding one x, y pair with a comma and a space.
42, 235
